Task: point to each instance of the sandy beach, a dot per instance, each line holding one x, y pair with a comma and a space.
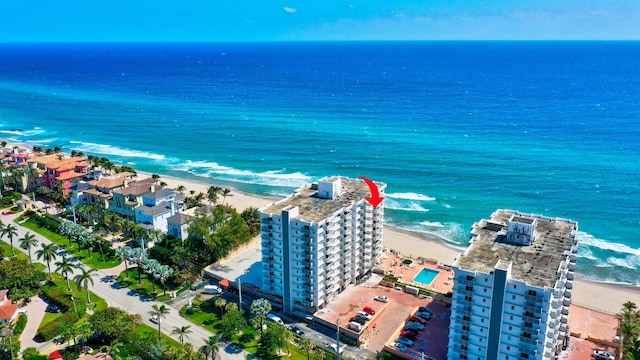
602, 297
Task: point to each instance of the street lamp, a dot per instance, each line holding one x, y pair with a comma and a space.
246, 271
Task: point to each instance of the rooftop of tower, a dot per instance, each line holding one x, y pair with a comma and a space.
537, 263
314, 208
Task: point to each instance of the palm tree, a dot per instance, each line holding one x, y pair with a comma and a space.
231, 307
307, 346
27, 241
163, 272
84, 279
66, 267
212, 193
181, 189
48, 253
225, 193
212, 348
10, 231
220, 304
87, 240
259, 310
182, 332
113, 349
124, 253
159, 312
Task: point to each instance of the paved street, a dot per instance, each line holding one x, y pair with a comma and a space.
119, 296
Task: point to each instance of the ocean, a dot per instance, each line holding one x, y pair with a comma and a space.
456, 129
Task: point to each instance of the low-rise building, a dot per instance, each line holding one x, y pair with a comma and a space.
157, 207
126, 199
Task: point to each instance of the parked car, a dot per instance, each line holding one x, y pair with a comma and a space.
413, 326
359, 320
369, 310
363, 314
399, 346
603, 355
381, 298
404, 340
211, 289
296, 330
424, 315
418, 319
52, 309
425, 309
408, 334
412, 332
417, 325
154, 319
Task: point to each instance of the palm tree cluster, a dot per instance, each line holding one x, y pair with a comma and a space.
151, 267
10, 232
630, 330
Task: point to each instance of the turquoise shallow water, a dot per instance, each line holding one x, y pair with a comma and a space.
456, 129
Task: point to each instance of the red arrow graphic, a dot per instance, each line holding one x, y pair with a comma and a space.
375, 198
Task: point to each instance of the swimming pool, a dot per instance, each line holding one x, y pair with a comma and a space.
426, 276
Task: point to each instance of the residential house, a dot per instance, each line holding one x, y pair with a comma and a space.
178, 224
66, 171
157, 207
126, 199
8, 311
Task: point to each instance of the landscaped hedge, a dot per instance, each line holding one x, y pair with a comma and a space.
48, 221
20, 324
62, 299
54, 328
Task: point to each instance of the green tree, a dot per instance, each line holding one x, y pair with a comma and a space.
212, 194
21, 277
124, 253
231, 323
268, 343
113, 349
162, 274
28, 241
220, 304
259, 310
212, 348
160, 312
33, 354
307, 346
48, 253
66, 267
251, 217
84, 279
113, 323
226, 193
181, 189
87, 239
71, 230
182, 332
138, 257
10, 231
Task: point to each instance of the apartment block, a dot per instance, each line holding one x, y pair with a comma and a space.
512, 288
320, 240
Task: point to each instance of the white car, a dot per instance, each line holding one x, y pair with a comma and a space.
399, 346
381, 298
603, 355
154, 319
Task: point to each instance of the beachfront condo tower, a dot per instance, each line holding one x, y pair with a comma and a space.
512, 288
318, 241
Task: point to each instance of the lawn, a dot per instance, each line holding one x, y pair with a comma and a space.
93, 262
143, 330
20, 255
206, 315
146, 287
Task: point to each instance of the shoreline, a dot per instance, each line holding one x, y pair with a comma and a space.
597, 295
600, 296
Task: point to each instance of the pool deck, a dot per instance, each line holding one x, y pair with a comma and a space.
392, 264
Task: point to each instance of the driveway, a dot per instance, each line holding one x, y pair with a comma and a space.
35, 314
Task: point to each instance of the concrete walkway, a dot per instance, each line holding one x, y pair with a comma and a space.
117, 295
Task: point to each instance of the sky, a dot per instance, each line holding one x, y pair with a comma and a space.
305, 20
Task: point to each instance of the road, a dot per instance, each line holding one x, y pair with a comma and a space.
121, 297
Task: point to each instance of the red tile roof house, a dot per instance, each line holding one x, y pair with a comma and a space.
66, 171
8, 311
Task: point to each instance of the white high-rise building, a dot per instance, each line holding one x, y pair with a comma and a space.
512, 288
320, 240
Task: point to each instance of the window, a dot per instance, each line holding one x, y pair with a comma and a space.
510, 327
486, 280
513, 307
511, 317
485, 289
508, 347
481, 320
513, 297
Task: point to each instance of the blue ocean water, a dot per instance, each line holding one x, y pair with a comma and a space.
456, 129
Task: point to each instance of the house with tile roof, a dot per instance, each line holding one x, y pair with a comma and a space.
178, 224
127, 198
8, 311
66, 171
